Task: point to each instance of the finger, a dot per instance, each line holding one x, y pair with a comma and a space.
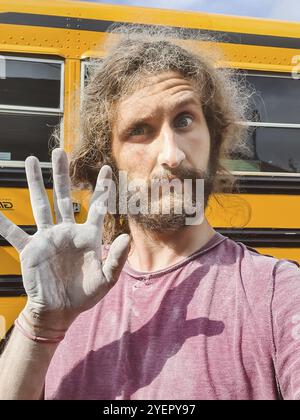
12, 233
62, 185
56, 209
38, 197
99, 200
116, 258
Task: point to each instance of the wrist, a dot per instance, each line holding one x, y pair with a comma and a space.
42, 324
37, 338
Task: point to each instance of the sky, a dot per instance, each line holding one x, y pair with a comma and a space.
274, 9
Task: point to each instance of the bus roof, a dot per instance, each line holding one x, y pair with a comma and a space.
116, 13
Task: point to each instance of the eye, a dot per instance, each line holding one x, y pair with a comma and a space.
183, 121
138, 130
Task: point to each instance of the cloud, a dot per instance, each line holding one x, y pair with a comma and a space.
175, 4
287, 9
276, 9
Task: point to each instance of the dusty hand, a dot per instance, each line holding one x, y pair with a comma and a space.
61, 264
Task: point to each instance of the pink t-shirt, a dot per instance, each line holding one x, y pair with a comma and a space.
222, 324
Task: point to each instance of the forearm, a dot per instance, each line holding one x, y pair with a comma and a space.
23, 367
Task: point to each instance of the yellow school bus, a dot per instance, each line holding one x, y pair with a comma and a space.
45, 48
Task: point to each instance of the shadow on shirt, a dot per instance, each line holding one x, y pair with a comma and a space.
119, 369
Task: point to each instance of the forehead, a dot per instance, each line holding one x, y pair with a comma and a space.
157, 93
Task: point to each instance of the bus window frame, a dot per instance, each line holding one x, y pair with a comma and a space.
84, 64
264, 123
247, 72
62, 85
29, 110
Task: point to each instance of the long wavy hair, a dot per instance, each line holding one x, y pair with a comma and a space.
133, 53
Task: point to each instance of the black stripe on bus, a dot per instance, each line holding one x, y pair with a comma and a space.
99, 25
283, 185
247, 184
260, 237
11, 285
264, 237
16, 177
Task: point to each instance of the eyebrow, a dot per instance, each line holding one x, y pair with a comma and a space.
136, 122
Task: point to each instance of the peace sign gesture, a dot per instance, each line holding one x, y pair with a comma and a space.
61, 263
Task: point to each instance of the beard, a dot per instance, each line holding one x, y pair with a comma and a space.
161, 221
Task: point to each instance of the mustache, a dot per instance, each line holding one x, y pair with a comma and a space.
178, 173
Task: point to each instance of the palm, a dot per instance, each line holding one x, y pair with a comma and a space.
69, 257
61, 264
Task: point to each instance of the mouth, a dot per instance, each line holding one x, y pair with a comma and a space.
168, 178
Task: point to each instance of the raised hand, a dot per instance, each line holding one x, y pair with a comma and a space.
61, 263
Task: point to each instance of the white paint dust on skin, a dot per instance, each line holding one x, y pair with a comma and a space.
171, 154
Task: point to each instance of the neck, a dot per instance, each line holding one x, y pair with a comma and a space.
157, 251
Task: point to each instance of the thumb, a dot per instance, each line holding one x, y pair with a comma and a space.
116, 258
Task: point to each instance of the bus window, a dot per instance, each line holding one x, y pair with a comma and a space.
273, 140
266, 152
22, 135
31, 84
31, 105
85, 72
276, 99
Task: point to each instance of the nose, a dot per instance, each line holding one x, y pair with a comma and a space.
170, 154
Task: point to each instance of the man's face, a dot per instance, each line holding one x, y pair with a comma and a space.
160, 131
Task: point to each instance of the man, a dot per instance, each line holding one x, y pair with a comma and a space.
176, 311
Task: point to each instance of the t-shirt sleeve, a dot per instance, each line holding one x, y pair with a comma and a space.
285, 314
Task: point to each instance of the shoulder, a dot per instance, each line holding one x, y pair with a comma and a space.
278, 266
252, 258
256, 272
